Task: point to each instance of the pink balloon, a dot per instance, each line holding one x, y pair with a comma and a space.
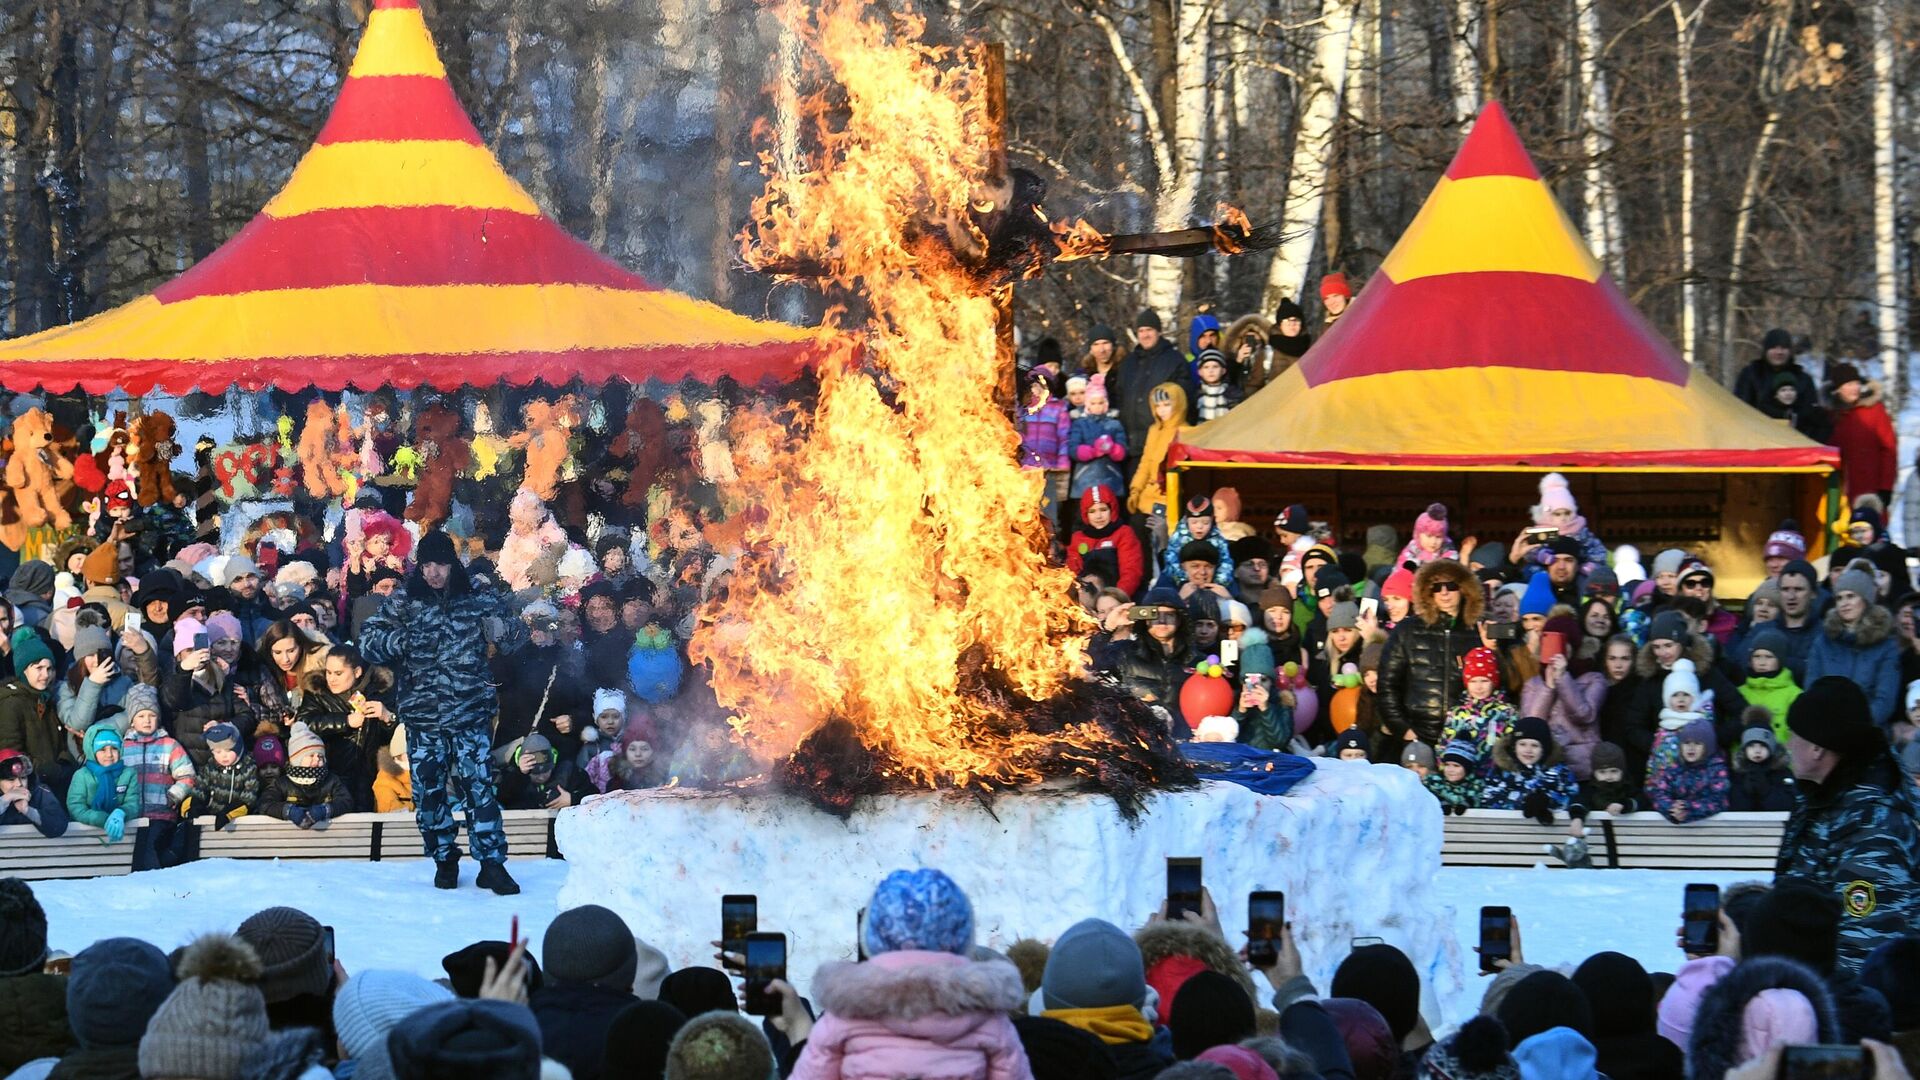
1306, 708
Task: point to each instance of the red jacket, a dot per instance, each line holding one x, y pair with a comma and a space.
1868, 446
1126, 548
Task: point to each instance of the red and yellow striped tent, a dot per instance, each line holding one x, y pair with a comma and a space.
400, 253
1492, 341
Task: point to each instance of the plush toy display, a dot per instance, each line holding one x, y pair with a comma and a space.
38, 476
444, 455
154, 460
320, 451
544, 445
643, 446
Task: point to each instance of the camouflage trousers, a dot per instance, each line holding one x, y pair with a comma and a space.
449, 768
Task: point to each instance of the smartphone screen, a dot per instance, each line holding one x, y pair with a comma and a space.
860, 935
1183, 887
1824, 1062
739, 916
1369, 606
766, 961
1496, 937
200, 640
132, 621
326, 941
1266, 918
1700, 914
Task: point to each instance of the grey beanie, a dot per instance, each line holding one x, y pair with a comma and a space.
90, 639
1094, 965
1857, 578
33, 576
590, 944
116, 986
1344, 616
370, 1006
1668, 561
140, 696
293, 953
213, 1019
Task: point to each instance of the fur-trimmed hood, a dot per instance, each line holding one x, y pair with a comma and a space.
377, 681
1161, 941
1871, 394
1719, 1026
1504, 759
919, 993
1875, 626
1473, 599
1699, 650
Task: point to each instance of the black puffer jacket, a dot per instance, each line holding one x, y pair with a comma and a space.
194, 704
352, 752
1151, 673
1420, 674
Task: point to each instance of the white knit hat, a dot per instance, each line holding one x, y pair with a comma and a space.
1680, 677
609, 700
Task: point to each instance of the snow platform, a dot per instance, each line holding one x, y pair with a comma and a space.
1355, 847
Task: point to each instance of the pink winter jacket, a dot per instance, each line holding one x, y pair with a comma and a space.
1572, 711
933, 1016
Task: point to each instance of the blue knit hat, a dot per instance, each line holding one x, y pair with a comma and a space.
1462, 751
1538, 599
918, 909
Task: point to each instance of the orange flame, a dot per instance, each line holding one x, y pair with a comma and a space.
1079, 240
901, 548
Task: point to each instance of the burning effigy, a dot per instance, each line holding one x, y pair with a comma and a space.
894, 621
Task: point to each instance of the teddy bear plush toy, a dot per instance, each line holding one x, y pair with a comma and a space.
544, 444
39, 477
444, 455
155, 462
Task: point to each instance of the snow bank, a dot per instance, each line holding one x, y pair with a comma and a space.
1355, 848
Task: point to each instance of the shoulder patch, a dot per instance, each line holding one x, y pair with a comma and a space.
1860, 898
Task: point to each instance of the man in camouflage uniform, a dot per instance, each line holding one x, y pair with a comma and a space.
434, 636
1855, 826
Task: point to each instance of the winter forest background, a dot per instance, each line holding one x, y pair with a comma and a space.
1739, 164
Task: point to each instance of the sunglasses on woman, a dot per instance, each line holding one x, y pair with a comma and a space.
1444, 586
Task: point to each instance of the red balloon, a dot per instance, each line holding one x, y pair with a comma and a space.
1202, 696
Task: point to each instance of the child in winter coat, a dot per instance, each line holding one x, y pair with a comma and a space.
1213, 393
1761, 777
1693, 783
393, 788
269, 759
920, 1005
1609, 790
1684, 705
230, 784
1097, 444
104, 793
163, 776
1196, 523
1455, 785
1529, 776
1350, 745
1769, 684
1430, 540
1486, 716
709, 757
306, 792
1102, 530
527, 779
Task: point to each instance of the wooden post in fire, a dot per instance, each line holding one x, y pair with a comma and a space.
993, 68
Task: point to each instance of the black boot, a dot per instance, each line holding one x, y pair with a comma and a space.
446, 872
493, 875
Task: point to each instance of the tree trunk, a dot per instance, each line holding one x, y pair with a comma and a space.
1466, 61
1179, 191
1312, 153
1890, 316
1685, 27
195, 157
1600, 198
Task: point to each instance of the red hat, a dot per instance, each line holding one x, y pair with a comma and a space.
1481, 664
1335, 284
119, 494
1399, 583
1097, 495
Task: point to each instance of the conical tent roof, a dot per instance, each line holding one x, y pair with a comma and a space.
400, 253
1491, 338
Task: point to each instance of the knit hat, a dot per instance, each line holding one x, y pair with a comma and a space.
1796, 919
1384, 978
1094, 965
476, 1038
1399, 583
1544, 1000
1699, 731
23, 929
1538, 599
1433, 522
1335, 284
185, 629
467, 966
29, 649
435, 547
1209, 1010
1461, 752
1776, 338
1532, 727
1344, 616
1857, 578
292, 951
370, 1006
918, 909
1478, 1051
223, 736
213, 1019
1668, 561
1351, 739
1842, 373
1680, 679
116, 986
1148, 319
1694, 569
302, 739
590, 944
1607, 755
1833, 713
1480, 664
1767, 638
1250, 547
638, 1039
1555, 494
1760, 735
1199, 551
1668, 626
697, 990
222, 626
1293, 519
720, 1046
1785, 542
1210, 356
268, 750
1417, 753
1328, 579
1101, 332
1097, 495
1602, 581
141, 698
1619, 994
1777, 1017
90, 639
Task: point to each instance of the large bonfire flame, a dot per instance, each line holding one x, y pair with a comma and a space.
894, 616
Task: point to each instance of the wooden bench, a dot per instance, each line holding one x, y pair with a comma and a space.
82, 851
1644, 841
363, 837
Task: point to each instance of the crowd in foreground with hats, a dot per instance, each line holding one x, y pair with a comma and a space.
1172, 999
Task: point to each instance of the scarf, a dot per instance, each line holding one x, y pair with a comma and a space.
305, 775
1114, 1024
106, 796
